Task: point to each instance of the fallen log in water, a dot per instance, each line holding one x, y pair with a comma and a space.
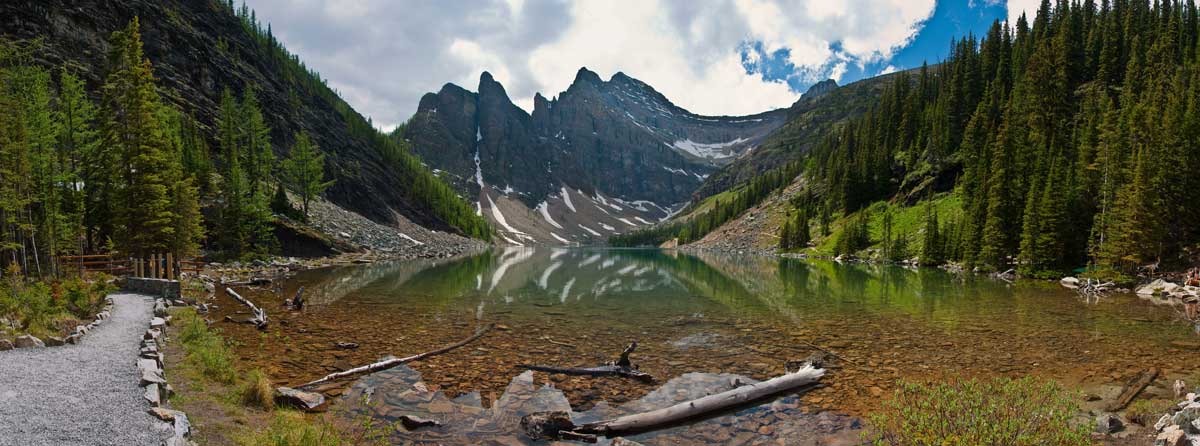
392, 362
553, 426
260, 316
1133, 388
621, 367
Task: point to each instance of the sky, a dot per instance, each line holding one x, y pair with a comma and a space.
713, 57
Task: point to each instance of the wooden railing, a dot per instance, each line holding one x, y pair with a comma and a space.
156, 266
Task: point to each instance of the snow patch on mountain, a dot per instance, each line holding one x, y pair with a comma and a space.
544, 209
707, 150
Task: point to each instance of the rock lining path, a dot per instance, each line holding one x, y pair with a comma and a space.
84, 394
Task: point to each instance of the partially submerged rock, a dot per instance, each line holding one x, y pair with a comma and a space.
1108, 423
5, 344
1156, 287
299, 399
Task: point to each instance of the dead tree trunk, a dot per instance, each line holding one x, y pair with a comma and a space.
296, 303
1133, 388
673, 415
621, 367
392, 362
260, 316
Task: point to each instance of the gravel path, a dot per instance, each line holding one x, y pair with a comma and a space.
84, 394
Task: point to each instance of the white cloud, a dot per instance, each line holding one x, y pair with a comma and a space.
383, 56
1016, 7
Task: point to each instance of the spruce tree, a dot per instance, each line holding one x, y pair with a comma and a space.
130, 107
304, 171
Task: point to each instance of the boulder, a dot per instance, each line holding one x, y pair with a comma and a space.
54, 341
27, 341
1108, 423
1156, 287
153, 395
158, 323
160, 309
164, 414
299, 399
74, 338
151, 374
1069, 282
6, 344
1162, 422
1172, 436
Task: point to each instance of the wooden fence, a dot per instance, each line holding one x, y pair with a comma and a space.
155, 266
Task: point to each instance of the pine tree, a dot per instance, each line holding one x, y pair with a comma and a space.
304, 171
77, 138
132, 128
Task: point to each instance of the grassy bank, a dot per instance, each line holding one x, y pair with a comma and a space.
232, 406
48, 307
1001, 411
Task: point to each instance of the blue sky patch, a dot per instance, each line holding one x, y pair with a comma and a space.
950, 20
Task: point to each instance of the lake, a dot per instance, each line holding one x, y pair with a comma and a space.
700, 320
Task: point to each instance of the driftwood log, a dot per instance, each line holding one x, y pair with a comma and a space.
621, 367
392, 362
1133, 388
551, 426
260, 316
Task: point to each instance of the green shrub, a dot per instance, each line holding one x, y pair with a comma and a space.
999, 412
257, 390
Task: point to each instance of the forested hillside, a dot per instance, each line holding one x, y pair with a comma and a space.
199, 50
1069, 140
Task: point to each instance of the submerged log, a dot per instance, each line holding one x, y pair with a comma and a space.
260, 316
392, 362
540, 426
621, 367
1133, 388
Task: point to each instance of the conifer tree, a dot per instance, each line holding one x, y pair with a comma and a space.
304, 171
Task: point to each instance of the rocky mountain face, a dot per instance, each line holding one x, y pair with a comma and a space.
617, 148
820, 109
199, 48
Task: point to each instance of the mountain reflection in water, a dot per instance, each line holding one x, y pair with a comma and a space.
743, 315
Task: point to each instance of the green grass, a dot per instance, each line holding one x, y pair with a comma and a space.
1001, 411
291, 428
207, 353
907, 221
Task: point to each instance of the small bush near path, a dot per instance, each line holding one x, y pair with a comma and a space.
257, 391
48, 308
997, 412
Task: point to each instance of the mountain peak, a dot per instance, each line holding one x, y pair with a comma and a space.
821, 88
586, 75
488, 86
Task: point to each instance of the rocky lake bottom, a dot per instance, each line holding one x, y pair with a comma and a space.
699, 321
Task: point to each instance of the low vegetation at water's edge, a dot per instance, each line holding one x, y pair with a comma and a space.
1001, 411
231, 406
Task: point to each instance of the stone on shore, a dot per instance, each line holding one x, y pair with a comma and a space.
1069, 282
299, 399
53, 341
1108, 423
6, 344
27, 341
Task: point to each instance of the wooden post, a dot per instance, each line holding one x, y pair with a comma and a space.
137, 267
170, 266
154, 266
